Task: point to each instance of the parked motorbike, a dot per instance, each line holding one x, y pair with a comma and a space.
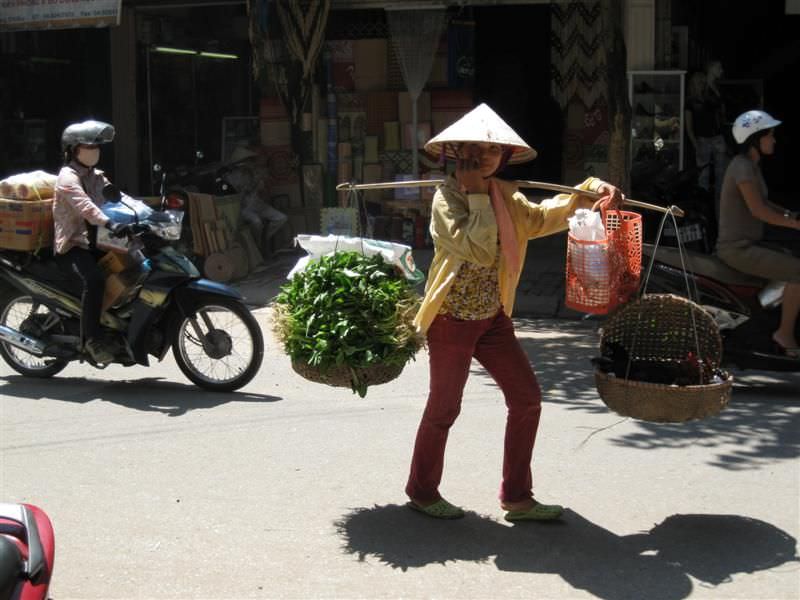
745, 308
175, 185
655, 181
27, 552
164, 304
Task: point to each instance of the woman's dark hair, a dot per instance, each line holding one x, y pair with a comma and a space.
508, 152
753, 141
69, 154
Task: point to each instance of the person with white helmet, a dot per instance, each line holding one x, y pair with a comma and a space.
480, 227
77, 201
745, 208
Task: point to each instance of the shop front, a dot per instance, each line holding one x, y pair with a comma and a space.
176, 79
384, 82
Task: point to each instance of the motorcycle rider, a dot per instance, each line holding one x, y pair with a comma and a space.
744, 209
77, 201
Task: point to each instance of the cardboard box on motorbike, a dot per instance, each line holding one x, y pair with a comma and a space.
26, 225
121, 270
115, 261
119, 286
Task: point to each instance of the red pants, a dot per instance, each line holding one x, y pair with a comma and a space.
452, 344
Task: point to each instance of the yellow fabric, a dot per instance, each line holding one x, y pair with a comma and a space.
464, 229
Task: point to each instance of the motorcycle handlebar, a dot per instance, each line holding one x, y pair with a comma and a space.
132, 229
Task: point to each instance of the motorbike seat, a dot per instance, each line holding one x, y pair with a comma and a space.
708, 265
46, 269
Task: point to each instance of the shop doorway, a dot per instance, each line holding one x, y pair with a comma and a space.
49, 79
512, 55
763, 48
196, 77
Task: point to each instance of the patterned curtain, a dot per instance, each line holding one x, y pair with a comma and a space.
287, 36
577, 58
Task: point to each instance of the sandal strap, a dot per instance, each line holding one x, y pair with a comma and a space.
538, 512
441, 509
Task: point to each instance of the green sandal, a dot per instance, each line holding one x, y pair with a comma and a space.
539, 512
441, 509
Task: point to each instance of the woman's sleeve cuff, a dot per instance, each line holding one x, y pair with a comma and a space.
594, 184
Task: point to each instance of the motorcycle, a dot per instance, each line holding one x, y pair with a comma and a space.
158, 303
663, 184
745, 308
27, 552
176, 185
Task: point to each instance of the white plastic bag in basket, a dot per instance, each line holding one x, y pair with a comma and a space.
318, 246
591, 261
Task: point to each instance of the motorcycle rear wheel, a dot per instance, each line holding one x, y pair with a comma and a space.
219, 346
15, 309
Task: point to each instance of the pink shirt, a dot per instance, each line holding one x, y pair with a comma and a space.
78, 196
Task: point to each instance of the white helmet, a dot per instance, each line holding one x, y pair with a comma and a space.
750, 122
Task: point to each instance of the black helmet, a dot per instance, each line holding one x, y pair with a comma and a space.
88, 132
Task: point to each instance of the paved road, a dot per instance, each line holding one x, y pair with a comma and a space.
289, 489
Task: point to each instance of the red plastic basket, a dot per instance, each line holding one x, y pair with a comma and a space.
604, 275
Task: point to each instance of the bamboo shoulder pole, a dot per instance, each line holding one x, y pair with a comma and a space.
554, 187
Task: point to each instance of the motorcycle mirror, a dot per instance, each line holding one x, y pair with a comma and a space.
111, 193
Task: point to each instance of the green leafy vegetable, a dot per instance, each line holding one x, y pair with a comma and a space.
348, 311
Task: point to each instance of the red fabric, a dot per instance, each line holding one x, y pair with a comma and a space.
505, 228
452, 343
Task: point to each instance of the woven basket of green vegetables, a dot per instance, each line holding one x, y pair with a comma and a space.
347, 321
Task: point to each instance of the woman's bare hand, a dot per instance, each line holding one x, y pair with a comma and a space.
468, 174
612, 196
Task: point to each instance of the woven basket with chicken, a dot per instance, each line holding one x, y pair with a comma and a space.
660, 361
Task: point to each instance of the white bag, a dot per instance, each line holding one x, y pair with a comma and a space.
318, 246
36, 185
590, 260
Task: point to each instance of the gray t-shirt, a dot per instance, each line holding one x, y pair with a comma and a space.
736, 222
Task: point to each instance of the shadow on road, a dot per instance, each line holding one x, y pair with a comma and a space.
147, 394
762, 421
653, 565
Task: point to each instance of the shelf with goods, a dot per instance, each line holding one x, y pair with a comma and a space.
367, 131
359, 126
657, 122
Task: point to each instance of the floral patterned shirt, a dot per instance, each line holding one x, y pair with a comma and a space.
475, 293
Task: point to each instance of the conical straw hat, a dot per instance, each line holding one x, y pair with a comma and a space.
481, 124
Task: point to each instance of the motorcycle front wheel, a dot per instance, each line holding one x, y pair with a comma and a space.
22, 313
219, 345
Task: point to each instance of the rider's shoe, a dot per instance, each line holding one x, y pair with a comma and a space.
98, 352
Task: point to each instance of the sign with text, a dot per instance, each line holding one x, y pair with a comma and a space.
23, 15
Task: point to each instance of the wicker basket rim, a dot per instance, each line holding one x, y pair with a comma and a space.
662, 299
663, 386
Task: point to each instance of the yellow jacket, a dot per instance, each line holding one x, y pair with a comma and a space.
463, 228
